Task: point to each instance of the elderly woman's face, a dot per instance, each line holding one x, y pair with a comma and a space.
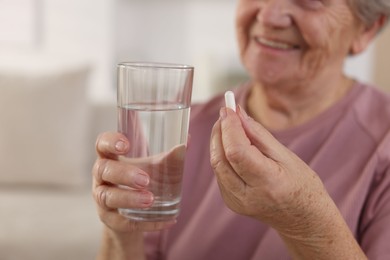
293, 41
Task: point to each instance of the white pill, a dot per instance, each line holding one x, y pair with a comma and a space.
230, 102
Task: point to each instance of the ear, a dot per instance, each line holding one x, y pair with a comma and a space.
367, 34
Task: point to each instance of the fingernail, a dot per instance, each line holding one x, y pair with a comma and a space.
146, 198
141, 180
242, 112
120, 146
222, 113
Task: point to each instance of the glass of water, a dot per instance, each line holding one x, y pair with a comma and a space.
153, 113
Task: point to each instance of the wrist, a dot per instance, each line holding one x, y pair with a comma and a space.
121, 245
323, 234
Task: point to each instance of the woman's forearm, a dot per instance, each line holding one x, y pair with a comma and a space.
127, 246
329, 238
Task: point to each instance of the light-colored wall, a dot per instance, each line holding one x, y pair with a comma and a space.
83, 29
360, 66
199, 33
61, 31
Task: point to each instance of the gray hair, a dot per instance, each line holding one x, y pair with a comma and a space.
368, 11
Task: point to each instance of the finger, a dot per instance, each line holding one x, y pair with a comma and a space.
111, 144
188, 141
119, 173
171, 165
119, 223
113, 197
247, 160
233, 133
261, 137
228, 180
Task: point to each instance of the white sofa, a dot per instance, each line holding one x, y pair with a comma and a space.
47, 133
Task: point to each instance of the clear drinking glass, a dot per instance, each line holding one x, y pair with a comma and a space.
153, 113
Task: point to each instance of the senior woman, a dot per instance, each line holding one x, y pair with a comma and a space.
301, 170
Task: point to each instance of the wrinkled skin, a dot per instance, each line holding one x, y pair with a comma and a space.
258, 176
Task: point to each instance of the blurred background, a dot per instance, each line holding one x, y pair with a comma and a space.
57, 92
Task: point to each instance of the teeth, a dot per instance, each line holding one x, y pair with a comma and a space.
277, 45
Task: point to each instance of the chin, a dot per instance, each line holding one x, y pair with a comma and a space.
270, 77
279, 81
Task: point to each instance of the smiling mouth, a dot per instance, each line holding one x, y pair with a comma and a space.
276, 45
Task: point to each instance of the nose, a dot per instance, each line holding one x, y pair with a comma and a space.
275, 13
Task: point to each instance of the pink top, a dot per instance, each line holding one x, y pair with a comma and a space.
348, 146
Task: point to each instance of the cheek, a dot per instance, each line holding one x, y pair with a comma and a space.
315, 33
242, 40
328, 55
331, 35
321, 46
245, 17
